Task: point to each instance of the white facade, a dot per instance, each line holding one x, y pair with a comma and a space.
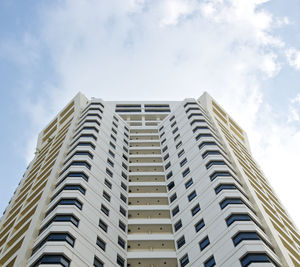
145, 184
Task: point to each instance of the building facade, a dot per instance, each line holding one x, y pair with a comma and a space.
145, 184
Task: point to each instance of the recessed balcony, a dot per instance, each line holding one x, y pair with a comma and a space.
147, 177
147, 200
136, 259
144, 168
149, 229
144, 159
150, 188
150, 245
144, 151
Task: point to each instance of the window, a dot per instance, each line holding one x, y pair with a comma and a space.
126, 128
177, 225
114, 131
221, 187
65, 201
162, 142
192, 195
108, 184
103, 225
203, 135
173, 197
169, 175
176, 137
122, 226
123, 198
124, 166
200, 128
124, 186
241, 236
112, 145
115, 118
186, 172
125, 141
210, 153
195, 121
195, 210
188, 183
58, 237
215, 163
161, 128
121, 242
110, 162
173, 124
194, 115
175, 210
53, 259
172, 118
250, 258
97, 262
170, 185
199, 225
100, 243
162, 135
180, 242
184, 260
166, 156
125, 149
77, 174
120, 261
106, 196
229, 201
80, 163
114, 138
175, 130
204, 243
219, 174
180, 153
168, 165
122, 211
210, 262
111, 153
61, 218
165, 149
237, 217
124, 175
203, 144
183, 162
109, 172
115, 124
126, 134
72, 187
104, 210
125, 157
178, 145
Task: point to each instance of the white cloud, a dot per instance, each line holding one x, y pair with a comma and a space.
172, 50
293, 56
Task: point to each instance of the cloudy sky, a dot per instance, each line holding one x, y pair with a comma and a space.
246, 54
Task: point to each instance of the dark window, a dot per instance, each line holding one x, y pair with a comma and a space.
176, 137
169, 175
110, 162
123, 198
172, 118
184, 260
219, 174
195, 121
237, 217
61, 218
178, 145
81, 153
104, 210
71, 187
168, 165
210, 153
125, 157
175, 130
103, 225
215, 162
170, 185
173, 197
124, 186
164, 149
241, 236
125, 149
112, 145
86, 144
180, 242
195, 209
115, 124
122, 226
200, 128
254, 258
115, 118
120, 261
199, 225
58, 237
161, 128
221, 187
124, 166
126, 128
186, 172
194, 115
122, 211
162, 135
183, 162
210, 262
204, 243
107, 183
166, 156
80, 163
66, 201
114, 138
106, 196
203, 135
189, 103
126, 134
124, 175
203, 144
178, 225
175, 210
98, 263
173, 124
126, 142
189, 109
109, 172
192, 195
121, 242
229, 201
180, 153
78, 174
52, 259
188, 183
162, 142
111, 153
101, 244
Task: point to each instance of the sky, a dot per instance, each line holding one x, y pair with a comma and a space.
246, 54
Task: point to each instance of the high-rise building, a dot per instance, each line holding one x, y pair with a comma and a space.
145, 184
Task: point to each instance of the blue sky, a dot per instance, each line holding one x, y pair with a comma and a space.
246, 54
